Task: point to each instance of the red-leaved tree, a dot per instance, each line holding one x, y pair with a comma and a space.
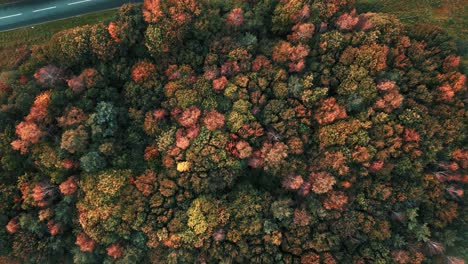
235, 18
219, 84
142, 70
28, 133
329, 110
84, 242
301, 32
113, 30
12, 226
213, 120
115, 251
49, 75
38, 111
189, 117
69, 187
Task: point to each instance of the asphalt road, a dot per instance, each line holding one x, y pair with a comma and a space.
27, 13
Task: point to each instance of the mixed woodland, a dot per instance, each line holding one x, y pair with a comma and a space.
244, 131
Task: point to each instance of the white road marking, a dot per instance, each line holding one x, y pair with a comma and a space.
11, 16
44, 9
79, 2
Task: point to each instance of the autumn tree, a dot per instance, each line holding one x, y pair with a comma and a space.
235, 18
49, 76
68, 187
28, 133
102, 44
105, 213
329, 111
213, 120
74, 140
142, 71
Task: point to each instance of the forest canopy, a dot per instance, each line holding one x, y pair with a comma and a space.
263, 131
